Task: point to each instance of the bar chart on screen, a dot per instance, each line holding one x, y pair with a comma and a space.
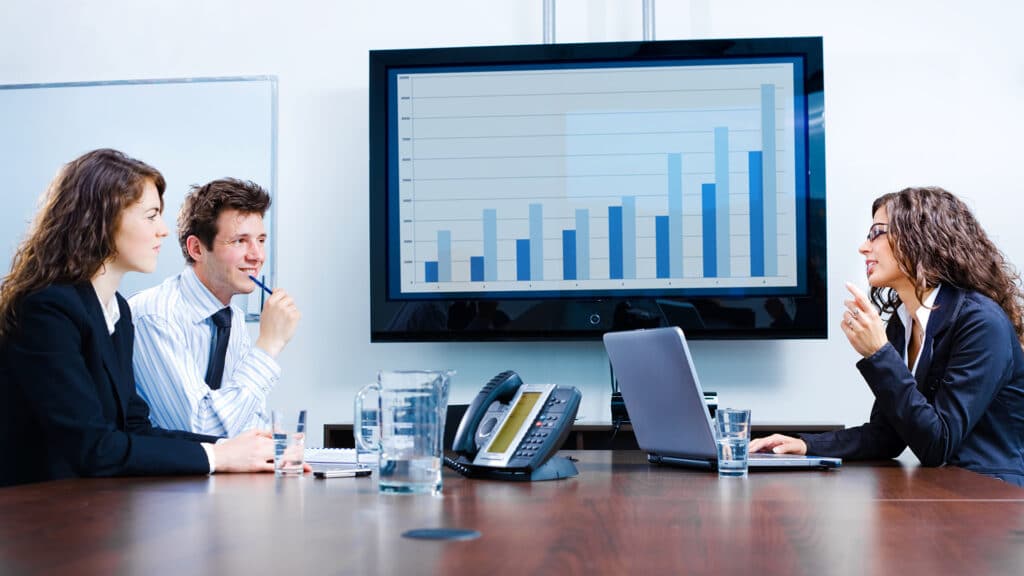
668, 175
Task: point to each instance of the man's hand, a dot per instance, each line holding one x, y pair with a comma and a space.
277, 323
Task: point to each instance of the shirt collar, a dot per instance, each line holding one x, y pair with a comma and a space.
111, 312
923, 312
201, 302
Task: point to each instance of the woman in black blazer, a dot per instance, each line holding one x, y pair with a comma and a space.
70, 406
947, 370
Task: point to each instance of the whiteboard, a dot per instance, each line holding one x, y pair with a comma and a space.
192, 130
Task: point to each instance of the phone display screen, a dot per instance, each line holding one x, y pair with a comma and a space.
514, 422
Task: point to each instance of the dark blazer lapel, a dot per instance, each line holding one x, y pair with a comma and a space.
105, 344
946, 305
124, 337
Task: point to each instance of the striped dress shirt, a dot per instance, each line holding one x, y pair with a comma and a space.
173, 339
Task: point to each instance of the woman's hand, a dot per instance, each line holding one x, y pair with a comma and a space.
779, 444
862, 324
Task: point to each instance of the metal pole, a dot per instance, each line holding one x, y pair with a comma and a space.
549, 21
648, 20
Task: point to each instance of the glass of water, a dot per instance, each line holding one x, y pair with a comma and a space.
733, 437
289, 442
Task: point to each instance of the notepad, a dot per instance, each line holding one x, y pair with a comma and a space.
330, 455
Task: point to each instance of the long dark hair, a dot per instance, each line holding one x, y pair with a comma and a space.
72, 235
936, 239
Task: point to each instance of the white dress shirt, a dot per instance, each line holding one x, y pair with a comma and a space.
112, 314
923, 312
173, 337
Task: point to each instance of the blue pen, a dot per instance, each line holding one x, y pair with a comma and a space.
261, 284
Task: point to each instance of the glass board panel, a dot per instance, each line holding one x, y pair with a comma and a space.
192, 130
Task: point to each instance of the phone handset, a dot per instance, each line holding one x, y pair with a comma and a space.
500, 388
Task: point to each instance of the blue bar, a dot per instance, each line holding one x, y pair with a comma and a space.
536, 241
582, 244
707, 197
430, 271
476, 268
722, 201
756, 214
615, 242
661, 244
675, 215
771, 249
629, 237
522, 259
490, 245
444, 255
569, 254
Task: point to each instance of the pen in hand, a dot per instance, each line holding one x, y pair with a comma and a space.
261, 284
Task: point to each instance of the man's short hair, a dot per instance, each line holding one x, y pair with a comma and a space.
204, 204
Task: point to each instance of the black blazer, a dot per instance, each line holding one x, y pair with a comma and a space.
70, 405
964, 408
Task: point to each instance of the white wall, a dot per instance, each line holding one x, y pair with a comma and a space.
917, 92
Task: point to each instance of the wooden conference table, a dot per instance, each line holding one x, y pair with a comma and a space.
619, 516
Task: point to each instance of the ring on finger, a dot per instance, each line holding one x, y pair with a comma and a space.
855, 313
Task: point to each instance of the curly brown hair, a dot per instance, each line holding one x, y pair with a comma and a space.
935, 238
204, 204
72, 235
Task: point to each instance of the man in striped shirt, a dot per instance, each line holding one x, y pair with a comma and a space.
194, 362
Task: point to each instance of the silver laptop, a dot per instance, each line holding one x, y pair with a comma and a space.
666, 403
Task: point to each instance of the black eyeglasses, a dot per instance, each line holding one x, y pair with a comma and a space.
876, 231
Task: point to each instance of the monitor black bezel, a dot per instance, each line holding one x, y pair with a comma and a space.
569, 317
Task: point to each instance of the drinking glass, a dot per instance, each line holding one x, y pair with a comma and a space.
733, 438
289, 442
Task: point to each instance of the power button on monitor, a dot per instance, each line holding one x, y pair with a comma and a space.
594, 319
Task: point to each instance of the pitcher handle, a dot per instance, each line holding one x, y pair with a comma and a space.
357, 420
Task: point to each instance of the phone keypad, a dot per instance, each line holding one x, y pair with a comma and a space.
536, 437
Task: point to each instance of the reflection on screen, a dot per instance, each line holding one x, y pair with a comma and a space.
514, 422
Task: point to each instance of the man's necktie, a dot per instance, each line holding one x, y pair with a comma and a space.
218, 347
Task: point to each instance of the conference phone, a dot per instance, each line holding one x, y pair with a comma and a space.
512, 430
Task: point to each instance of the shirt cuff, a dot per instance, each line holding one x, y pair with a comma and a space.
209, 456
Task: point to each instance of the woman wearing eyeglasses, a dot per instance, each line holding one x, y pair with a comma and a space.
947, 366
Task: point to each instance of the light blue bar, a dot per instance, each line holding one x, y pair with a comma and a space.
629, 237
583, 244
444, 255
675, 215
771, 247
707, 203
490, 245
722, 252
536, 241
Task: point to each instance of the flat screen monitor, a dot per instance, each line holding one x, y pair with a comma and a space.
567, 190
